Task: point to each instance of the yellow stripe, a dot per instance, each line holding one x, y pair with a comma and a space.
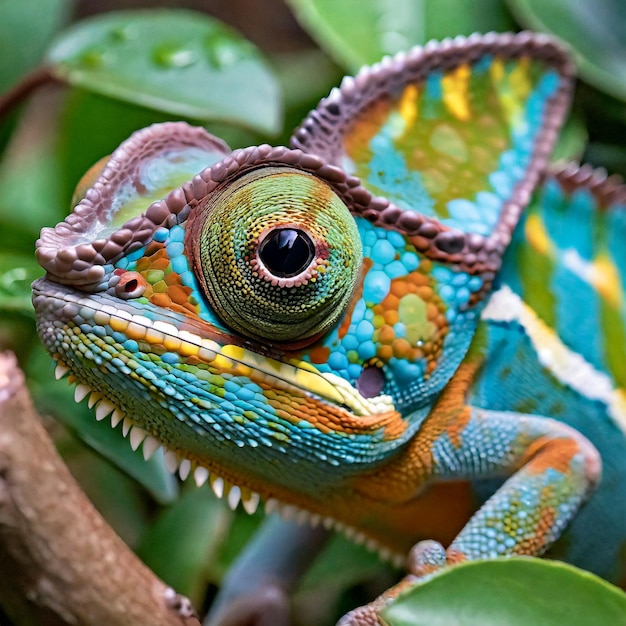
606, 280
537, 236
455, 85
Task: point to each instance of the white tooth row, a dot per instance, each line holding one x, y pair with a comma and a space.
173, 461
221, 488
292, 513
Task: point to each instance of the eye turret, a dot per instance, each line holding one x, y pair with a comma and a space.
277, 254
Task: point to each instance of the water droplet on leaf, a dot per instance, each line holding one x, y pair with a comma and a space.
122, 33
175, 56
222, 50
93, 58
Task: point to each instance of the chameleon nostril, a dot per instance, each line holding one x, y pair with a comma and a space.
371, 381
130, 285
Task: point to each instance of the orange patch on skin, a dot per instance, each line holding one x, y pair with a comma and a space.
550, 453
164, 301
319, 354
536, 544
456, 428
328, 418
400, 479
367, 124
162, 263
394, 429
413, 284
439, 512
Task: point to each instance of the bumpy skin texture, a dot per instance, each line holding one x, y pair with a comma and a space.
431, 367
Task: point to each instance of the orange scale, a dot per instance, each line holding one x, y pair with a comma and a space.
179, 294
418, 278
161, 299
399, 287
189, 307
391, 316
391, 303
319, 354
402, 348
386, 334
441, 322
143, 264
385, 353
426, 293
432, 311
426, 267
154, 246
162, 263
172, 279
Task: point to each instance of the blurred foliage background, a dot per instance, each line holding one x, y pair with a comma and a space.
248, 71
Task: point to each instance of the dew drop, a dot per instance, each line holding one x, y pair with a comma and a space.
175, 56
93, 59
222, 51
122, 33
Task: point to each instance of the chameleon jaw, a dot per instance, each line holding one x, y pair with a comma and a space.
176, 463
354, 413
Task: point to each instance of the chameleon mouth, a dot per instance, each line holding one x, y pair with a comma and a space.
234, 495
189, 338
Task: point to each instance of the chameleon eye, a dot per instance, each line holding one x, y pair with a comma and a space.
276, 253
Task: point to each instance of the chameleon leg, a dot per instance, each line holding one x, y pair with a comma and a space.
256, 590
554, 470
551, 469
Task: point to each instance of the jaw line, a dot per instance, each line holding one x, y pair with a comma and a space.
176, 463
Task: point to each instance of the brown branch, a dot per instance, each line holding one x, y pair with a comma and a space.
60, 563
40, 76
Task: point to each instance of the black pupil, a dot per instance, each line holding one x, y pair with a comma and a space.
286, 252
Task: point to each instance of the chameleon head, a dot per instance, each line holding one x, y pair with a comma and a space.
277, 254
195, 312
266, 312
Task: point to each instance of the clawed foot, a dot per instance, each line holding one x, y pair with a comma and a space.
425, 558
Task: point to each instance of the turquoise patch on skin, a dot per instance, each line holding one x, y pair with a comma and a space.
376, 286
390, 174
383, 252
161, 235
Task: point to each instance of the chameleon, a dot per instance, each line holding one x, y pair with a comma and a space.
406, 326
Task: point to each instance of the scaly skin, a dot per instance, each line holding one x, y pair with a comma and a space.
300, 336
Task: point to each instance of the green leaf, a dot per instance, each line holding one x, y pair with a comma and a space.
26, 28
596, 33
106, 122
56, 398
17, 272
361, 32
341, 565
30, 175
182, 543
181, 62
515, 592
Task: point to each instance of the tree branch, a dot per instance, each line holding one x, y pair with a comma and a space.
42, 75
60, 563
